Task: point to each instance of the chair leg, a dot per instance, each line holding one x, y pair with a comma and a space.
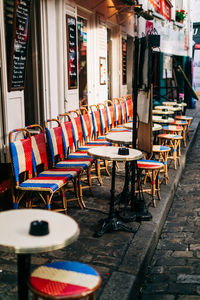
98, 171
106, 166
158, 184
89, 180
80, 192
64, 200
153, 187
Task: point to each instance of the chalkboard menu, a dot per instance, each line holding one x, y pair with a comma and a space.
71, 52
17, 46
124, 60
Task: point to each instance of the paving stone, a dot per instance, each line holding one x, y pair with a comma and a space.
157, 297
184, 278
182, 254
187, 297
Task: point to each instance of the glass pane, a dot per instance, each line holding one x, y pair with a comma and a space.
82, 60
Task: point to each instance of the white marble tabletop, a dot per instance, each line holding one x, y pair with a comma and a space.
161, 107
154, 128
120, 137
162, 112
171, 103
15, 237
111, 153
158, 119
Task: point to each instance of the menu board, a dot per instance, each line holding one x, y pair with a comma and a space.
71, 52
18, 44
124, 60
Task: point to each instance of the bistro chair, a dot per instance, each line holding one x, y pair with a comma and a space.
60, 141
174, 142
184, 124
25, 184
40, 160
189, 120
162, 152
152, 167
80, 150
64, 280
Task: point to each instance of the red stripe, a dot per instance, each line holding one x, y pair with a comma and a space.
58, 135
40, 140
55, 288
26, 144
64, 179
148, 166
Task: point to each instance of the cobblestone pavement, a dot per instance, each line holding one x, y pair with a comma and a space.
174, 273
118, 257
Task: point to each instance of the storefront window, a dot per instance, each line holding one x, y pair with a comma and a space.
82, 60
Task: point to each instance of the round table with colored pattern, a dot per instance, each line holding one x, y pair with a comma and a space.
159, 119
15, 237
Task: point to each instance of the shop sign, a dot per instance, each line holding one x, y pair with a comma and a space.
149, 28
71, 52
162, 7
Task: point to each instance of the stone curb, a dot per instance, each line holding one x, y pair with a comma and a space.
124, 284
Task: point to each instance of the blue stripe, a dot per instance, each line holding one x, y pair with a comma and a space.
79, 156
15, 161
64, 142
151, 161
126, 106
115, 114
122, 113
48, 205
34, 162
56, 175
94, 124
164, 162
71, 165
164, 148
101, 118
73, 266
50, 144
52, 186
15, 205
74, 135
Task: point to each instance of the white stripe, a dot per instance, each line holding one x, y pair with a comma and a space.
64, 173
75, 128
36, 151
65, 134
46, 181
53, 137
109, 117
70, 277
86, 162
21, 156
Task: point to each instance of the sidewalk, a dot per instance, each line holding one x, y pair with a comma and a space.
120, 257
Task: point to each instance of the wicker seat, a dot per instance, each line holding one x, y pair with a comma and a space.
64, 280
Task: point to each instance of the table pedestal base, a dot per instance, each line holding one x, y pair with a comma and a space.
23, 265
112, 224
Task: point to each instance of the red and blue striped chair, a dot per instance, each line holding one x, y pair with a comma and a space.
60, 140
21, 152
74, 127
40, 158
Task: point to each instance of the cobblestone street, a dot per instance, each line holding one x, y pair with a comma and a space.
121, 257
174, 273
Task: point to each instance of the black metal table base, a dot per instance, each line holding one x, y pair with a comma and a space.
112, 224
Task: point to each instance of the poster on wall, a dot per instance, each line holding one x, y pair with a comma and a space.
167, 66
71, 52
103, 70
17, 24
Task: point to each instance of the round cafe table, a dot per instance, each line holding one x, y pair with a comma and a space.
159, 119
170, 103
15, 237
113, 223
156, 127
172, 108
162, 112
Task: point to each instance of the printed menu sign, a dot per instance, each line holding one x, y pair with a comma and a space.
17, 65
124, 58
71, 52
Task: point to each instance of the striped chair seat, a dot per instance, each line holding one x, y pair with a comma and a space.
43, 183
74, 163
152, 168
69, 173
80, 155
64, 280
149, 164
170, 136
